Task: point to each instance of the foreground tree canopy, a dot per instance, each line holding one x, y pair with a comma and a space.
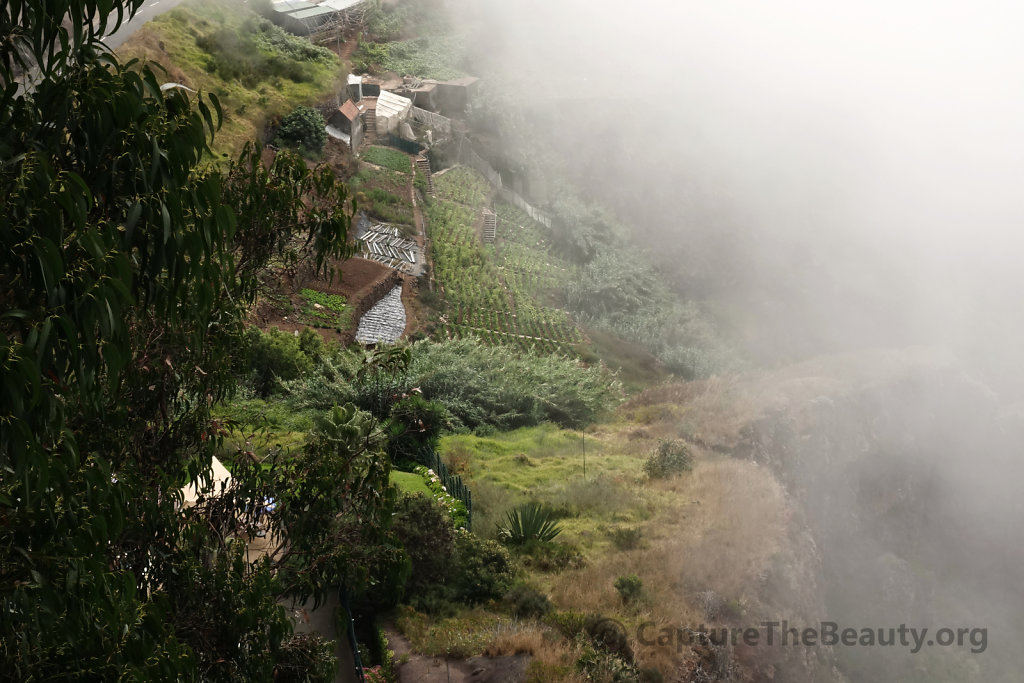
127, 266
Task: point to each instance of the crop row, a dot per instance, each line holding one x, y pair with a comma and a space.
462, 185
524, 344
541, 323
496, 294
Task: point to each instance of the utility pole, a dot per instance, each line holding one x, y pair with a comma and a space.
584, 453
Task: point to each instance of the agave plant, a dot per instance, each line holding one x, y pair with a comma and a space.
526, 523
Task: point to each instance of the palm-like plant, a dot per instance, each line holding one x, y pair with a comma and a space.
526, 523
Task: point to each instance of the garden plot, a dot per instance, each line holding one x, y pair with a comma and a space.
385, 322
497, 293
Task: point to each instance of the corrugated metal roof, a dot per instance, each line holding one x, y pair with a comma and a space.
291, 5
340, 5
311, 13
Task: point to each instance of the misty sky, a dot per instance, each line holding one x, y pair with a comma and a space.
874, 149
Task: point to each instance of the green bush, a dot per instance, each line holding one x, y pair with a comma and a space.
629, 587
414, 426
496, 385
305, 658
526, 602
670, 458
570, 624
274, 356
305, 129
455, 508
550, 556
425, 531
528, 522
483, 569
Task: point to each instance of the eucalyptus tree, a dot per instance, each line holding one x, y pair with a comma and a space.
126, 268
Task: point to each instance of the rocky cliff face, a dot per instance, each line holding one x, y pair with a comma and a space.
902, 473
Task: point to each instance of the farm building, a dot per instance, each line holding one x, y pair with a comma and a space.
444, 97
303, 18
391, 111
360, 86
347, 122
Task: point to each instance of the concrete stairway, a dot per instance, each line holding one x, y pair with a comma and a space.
490, 227
423, 164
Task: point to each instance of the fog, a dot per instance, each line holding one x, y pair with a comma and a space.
842, 174
828, 177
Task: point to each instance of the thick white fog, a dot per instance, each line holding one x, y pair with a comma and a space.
852, 169
828, 176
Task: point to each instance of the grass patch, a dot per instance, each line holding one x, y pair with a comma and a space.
465, 635
384, 194
544, 464
410, 482
259, 72
391, 159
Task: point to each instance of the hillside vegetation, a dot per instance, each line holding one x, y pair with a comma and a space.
259, 71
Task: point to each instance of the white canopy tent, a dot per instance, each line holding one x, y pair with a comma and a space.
219, 477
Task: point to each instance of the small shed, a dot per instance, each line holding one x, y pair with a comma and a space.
452, 97
348, 120
420, 92
392, 110
355, 87
219, 480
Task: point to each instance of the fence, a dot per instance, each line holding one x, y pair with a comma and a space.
407, 146
441, 124
466, 155
534, 213
451, 482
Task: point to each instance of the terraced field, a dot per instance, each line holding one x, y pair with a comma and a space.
498, 293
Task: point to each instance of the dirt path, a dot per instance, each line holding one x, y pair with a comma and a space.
416, 668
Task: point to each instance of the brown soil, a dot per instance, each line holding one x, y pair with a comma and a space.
359, 281
418, 668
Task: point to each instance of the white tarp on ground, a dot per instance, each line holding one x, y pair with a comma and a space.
385, 322
335, 133
392, 109
220, 479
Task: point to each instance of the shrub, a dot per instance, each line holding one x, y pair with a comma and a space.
630, 587
625, 537
498, 386
609, 636
425, 531
455, 508
570, 624
303, 128
414, 425
274, 356
484, 569
670, 458
305, 657
528, 522
550, 556
526, 602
